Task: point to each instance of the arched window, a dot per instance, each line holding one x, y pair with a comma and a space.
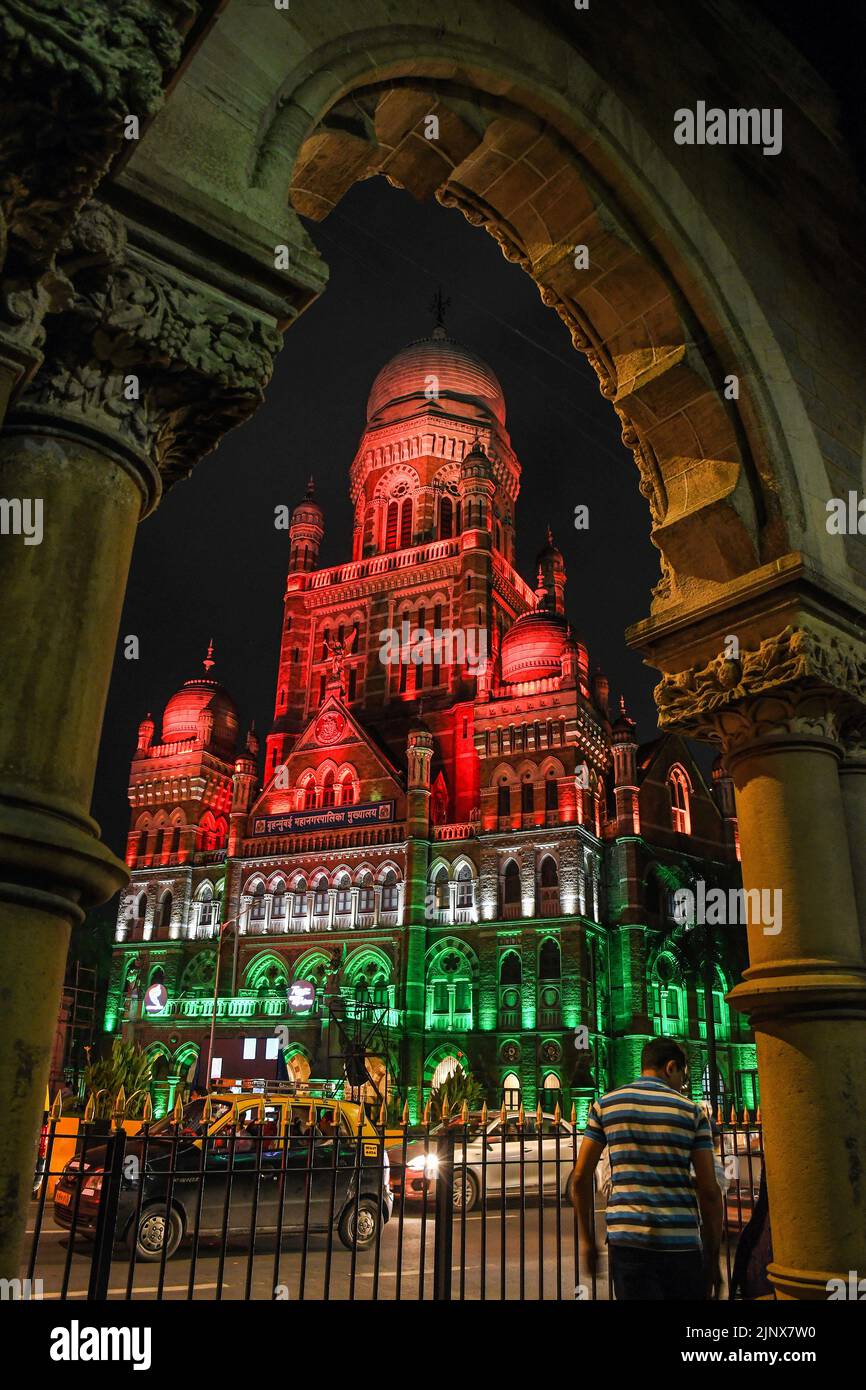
299, 898
552, 1092
678, 786
527, 798
446, 518
551, 795
320, 897
278, 906
347, 790
511, 883
441, 886
510, 969
503, 801
309, 794
406, 523
464, 886
392, 518
206, 905
164, 924
366, 897
343, 893
257, 908
389, 892
141, 910
549, 875
549, 964
511, 1091
329, 793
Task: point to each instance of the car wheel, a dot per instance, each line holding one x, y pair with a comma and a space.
466, 1189
357, 1228
148, 1236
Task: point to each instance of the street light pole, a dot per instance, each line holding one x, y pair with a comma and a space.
216, 985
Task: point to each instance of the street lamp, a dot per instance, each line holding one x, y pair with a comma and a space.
216, 984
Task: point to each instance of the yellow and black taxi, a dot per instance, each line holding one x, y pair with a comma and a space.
275, 1162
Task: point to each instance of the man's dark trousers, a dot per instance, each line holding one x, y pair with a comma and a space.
656, 1274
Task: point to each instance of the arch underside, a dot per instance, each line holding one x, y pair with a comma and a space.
713, 517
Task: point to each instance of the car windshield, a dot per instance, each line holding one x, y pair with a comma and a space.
192, 1123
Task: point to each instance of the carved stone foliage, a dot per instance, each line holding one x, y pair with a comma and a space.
145, 357
70, 72
801, 682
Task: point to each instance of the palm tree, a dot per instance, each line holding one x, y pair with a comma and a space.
460, 1086
128, 1069
698, 950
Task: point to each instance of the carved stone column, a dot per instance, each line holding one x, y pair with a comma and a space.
778, 712
852, 779
142, 375
71, 76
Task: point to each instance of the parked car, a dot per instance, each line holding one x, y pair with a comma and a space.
256, 1144
487, 1156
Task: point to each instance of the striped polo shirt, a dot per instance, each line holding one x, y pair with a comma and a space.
651, 1133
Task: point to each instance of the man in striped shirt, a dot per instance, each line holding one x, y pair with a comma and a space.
661, 1159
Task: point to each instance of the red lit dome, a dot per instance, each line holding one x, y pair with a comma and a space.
462, 379
198, 704
533, 647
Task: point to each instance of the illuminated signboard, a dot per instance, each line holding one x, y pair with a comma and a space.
326, 818
302, 995
155, 999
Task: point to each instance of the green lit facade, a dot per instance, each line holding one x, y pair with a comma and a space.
456, 846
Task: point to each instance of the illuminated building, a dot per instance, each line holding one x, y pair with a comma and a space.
446, 794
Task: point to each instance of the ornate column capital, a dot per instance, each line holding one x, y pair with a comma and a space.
803, 683
147, 362
71, 72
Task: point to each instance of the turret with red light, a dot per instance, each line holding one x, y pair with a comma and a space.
624, 747
244, 782
306, 532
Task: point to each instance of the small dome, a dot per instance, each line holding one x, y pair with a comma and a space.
461, 378
202, 703
533, 647
181, 717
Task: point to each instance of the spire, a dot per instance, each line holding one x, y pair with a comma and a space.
438, 306
549, 535
208, 662
311, 489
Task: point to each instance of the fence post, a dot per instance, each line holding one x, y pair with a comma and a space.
444, 1209
106, 1221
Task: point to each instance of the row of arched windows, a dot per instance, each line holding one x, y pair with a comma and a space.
309, 903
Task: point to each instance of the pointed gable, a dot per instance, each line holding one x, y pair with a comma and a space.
334, 741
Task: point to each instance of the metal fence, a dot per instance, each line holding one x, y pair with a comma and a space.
311, 1200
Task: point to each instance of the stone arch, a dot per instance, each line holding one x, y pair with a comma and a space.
266, 970
314, 965
641, 337
198, 973
441, 1054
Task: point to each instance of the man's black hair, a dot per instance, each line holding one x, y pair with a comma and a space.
659, 1051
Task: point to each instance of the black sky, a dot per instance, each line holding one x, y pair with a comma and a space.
210, 563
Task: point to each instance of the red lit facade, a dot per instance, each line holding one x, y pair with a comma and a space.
445, 793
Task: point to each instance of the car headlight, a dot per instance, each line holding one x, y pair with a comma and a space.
427, 1164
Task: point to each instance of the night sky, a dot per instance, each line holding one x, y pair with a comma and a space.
210, 563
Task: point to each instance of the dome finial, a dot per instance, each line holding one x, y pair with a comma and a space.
311, 488
438, 306
549, 535
208, 662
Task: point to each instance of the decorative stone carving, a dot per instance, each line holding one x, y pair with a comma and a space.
70, 72
156, 363
798, 682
